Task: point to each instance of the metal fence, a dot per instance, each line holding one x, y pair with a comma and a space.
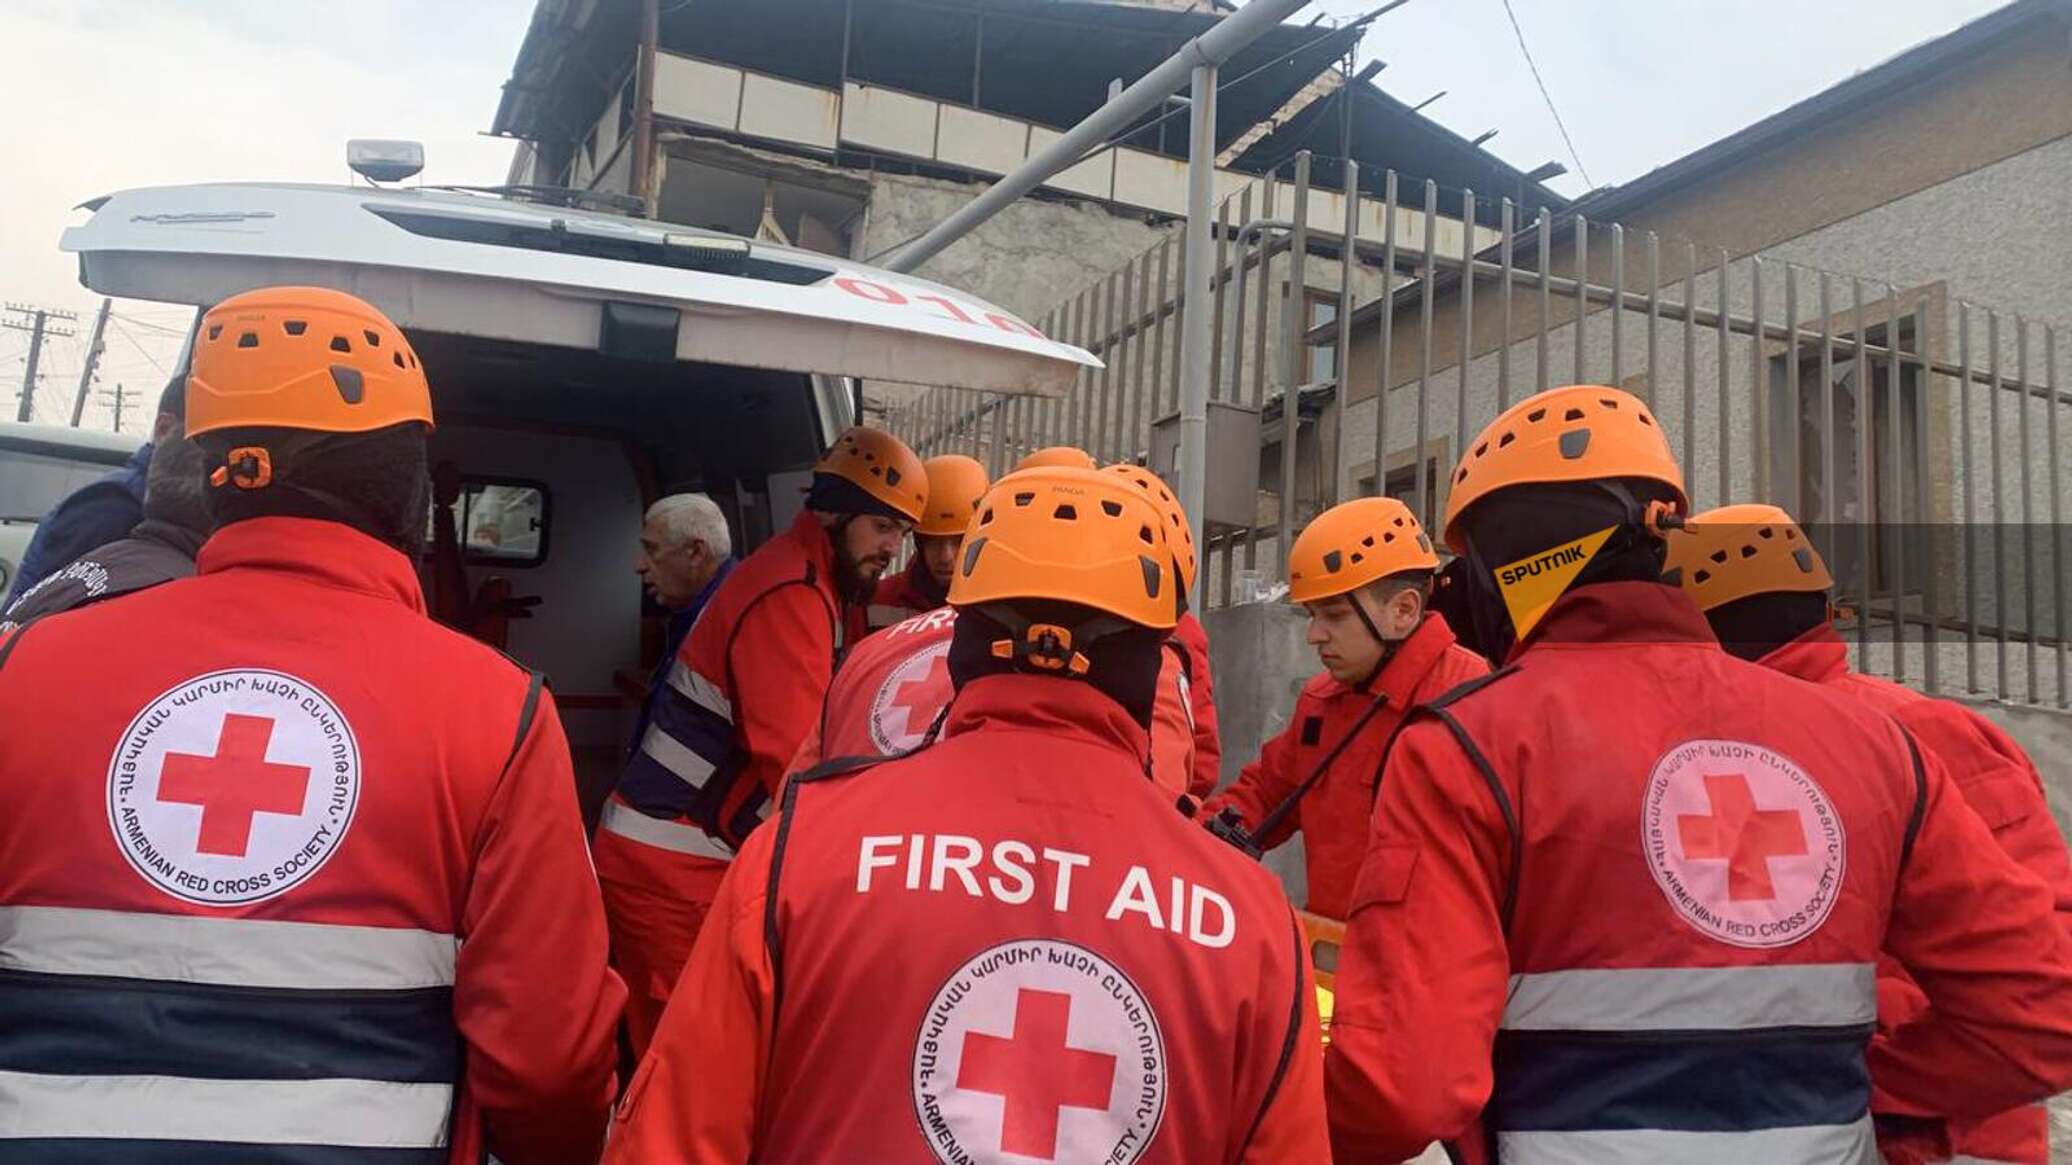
1916, 436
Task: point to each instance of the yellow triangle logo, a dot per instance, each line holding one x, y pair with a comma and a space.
1530, 585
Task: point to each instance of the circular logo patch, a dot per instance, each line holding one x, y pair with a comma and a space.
1743, 843
233, 786
910, 698
1039, 1050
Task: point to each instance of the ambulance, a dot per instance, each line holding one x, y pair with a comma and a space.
582, 364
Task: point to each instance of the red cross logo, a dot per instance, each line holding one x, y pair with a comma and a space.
233, 785
1744, 836
1036, 1072
933, 683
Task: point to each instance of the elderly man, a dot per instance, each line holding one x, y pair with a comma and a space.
685, 552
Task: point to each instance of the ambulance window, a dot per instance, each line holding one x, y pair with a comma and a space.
501, 522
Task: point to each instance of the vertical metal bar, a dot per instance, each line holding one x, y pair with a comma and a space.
1263, 326
1582, 293
1618, 305
1424, 350
1931, 530
1220, 280
1690, 362
1342, 350
2059, 576
1895, 413
1294, 314
1158, 352
1758, 381
1196, 356
1995, 457
1171, 389
1234, 380
1654, 318
1546, 249
2028, 527
1385, 355
1139, 434
1466, 320
1724, 428
1967, 465
1826, 542
1792, 405
1068, 408
1109, 436
1505, 213
1866, 412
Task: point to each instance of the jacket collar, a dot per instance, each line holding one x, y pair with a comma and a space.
326, 553
819, 546
1061, 709
1618, 613
1819, 656
1399, 678
177, 538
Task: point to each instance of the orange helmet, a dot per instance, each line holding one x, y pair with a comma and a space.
880, 465
1057, 457
1737, 551
1355, 543
1178, 533
1585, 432
303, 358
1073, 535
955, 484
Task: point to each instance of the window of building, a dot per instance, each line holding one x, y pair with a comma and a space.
1320, 308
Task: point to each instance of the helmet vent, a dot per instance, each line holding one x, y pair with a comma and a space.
1144, 536
1506, 439
1150, 569
1334, 561
1112, 508
1536, 416
1608, 402
215, 331
892, 474
986, 519
248, 340
1358, 558
1572, 415
1575, 442
294, 327
1023, 499
1719, 556
1766, 532
1388, 536
1066, 512
971, 551
397, 357
1367, 541
1748, 551
1701, 577
352, 388
1804, 558
341, 344
372, 337
1647, 420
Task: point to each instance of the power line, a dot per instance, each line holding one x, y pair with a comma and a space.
1547, 97
122, 329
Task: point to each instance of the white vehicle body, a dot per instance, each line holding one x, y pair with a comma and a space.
597, 361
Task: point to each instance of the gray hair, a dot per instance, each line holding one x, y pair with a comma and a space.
691, 516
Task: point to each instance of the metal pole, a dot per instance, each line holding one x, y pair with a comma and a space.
1546, 248
1582, 295
1385, 354
1618, 305
1967, 464
2057, 526
2028, 511
1654, 318
1294, 315
1424, 351
1794, 474
1465, 321
1342, 353
1208, 50
93, 357
1690, 363
644, 106
1505, 220
1196, 274
28, 402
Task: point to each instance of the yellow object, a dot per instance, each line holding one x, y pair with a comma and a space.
1530, 585
1057, 457
1073, 535
1585, 432
1177, 530
1355, 543
955, 484
1734, 552
880, 465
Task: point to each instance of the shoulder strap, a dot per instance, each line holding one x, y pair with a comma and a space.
1288, 1043
1466, 688
536, 682
1437, 710
1185, 656
1281, 812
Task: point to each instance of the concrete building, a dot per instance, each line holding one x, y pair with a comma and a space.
851, 126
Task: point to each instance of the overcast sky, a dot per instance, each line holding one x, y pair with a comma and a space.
106, 94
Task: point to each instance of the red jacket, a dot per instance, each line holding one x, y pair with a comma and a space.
272, 824
1624, 901
1333, 816
888, 693
2000, 784
1193, 641
911, 592
1003, 944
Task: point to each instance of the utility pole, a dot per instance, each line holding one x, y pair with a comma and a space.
38, 326
121, 397
93, 358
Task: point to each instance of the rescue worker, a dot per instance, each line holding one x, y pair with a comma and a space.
1765, 591
302, 916
1362, 570
744, 691
158, 549
99, 512
955, 483
1623, 900
1186, 749
1005, 945
1057, 457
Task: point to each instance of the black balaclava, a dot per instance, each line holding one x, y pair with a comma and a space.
1753, 627
176, 486
1124, 664
1522, 521
377, 482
